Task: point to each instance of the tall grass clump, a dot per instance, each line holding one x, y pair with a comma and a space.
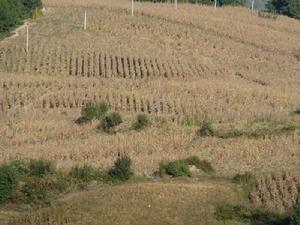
140, 122
85, 173
203, 165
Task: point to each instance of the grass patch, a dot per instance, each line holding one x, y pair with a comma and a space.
180, 168
258, 128
267, 15
250, 215
141, 122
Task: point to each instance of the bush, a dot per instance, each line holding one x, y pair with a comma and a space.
206, 129
141, 122
297, 56
92, 111
8, 182
296, 112
203, 165
295, 217
41, 167
178, 168
110, 121
244, 179
122, 169
85, 173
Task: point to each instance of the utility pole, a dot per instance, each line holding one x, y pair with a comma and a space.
27, 39
84, 25
252, 6
132, 7
176, 7
215, 4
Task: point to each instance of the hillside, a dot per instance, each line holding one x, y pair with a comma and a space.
179, 67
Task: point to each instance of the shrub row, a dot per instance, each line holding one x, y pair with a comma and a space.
36, 181
108, 120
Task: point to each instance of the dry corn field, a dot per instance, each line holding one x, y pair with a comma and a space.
226, 64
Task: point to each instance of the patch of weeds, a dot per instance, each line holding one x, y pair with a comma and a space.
141, 122
110, 121
121, 171
188, 121
85, 173
253, 216
179, 168
206, 129
297, 56
41, 167
8, 182
247, 181
203, 165
267, 15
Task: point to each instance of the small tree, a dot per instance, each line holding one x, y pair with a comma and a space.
295, 217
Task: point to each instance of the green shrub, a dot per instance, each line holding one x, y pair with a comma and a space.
295, 217
41, 167
122, 169
85, 173
289, 8
141, 122
297, 56
20, 165
8, 182
206, 129
178, 168
92, 111
203, 165
110, 121
244, 179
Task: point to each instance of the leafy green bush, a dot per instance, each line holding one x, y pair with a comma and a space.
85, 173
203, 165
296, 111
206, 129
295, 217
8, 182
141, 122
244, 179
92, 111
178, 168
41, 167
122, 169
110, 121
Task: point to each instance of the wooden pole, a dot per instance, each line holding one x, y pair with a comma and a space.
132, 7
27, 38
84, 26
176, 5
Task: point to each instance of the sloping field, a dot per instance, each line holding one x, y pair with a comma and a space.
141, 203
226, 64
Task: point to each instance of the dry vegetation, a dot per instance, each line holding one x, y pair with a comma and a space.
228, 65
